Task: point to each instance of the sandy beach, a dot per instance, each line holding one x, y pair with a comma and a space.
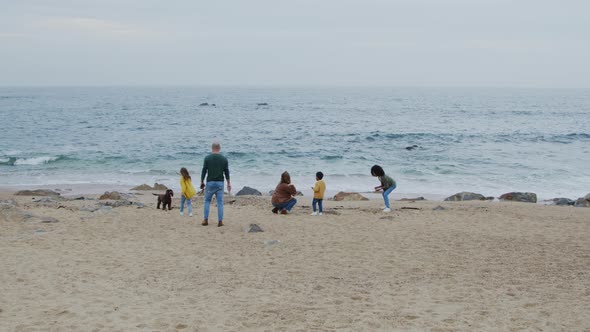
472, 266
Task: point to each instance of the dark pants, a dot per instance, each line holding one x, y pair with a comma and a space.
318, 202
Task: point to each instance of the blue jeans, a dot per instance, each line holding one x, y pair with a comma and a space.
386, 195
189, 204
214, 188
317, 201
287, 205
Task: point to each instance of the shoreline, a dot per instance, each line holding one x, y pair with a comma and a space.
68, 190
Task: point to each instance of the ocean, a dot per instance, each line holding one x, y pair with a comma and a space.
435, 141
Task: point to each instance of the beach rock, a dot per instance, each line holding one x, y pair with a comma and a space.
465, 196
262, 104
439, 208
583, 201
519, 197
412, 199
6, 204
104, 209
158, 186
116, 203
270, 243
213, 105
48, 220
561, 201
139, 205
111, 195
249, 191
253, 228
143, 187
204, 104
412, 147
45, 200
38, 192
490, 198
344, 196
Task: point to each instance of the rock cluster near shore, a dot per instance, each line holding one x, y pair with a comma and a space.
147, 187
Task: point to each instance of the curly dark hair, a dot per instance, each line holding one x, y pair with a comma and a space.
376, 170
319, 175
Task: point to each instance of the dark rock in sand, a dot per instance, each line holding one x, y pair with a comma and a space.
204, 104
253, 228
561, 201
48, 220
116, 203
249, 191
143, 187
344, 196
465, 196
38, 192
439, 208
413, 199
519, 197
7, 204
158, 186
583, 201
111, 195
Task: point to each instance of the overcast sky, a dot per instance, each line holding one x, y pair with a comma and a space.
522, 43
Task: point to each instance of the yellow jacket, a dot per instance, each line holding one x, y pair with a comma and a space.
186, 187
319, 189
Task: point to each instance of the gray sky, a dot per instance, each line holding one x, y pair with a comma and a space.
290, 42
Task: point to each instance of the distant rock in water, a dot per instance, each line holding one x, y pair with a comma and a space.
519, 197
38, 192
262, 104
204, 104
248, 191
143, 187
412, 147
158, 186
344, 196
213, 105
465, 196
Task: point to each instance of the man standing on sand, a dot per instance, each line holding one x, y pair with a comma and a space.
215, 166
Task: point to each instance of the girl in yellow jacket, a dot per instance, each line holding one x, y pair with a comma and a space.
187, 192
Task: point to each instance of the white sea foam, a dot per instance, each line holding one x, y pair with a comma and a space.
35, 160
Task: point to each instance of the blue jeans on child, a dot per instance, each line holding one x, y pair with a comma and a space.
189, 204
386, 195
317, 201
286, 205
214, 188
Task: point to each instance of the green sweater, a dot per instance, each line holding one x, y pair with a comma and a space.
386, 182
215, 166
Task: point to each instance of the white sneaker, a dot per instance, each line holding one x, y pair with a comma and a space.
182, 213
387, 210
314, 213
320, 214
190, 214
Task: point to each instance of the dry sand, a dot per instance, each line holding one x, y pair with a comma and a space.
484, 266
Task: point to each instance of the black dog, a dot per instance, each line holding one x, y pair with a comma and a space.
165, 199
